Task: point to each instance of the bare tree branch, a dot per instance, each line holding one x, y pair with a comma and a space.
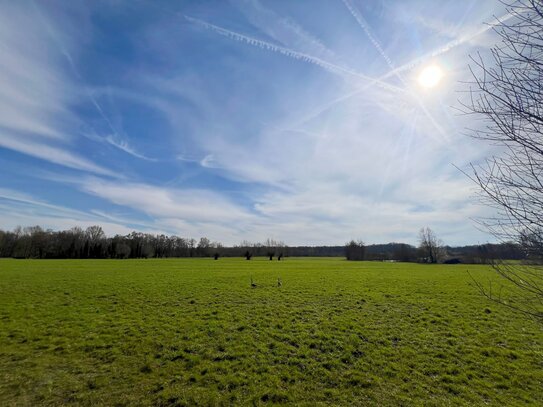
507, 95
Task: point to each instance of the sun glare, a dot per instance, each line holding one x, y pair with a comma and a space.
430, 76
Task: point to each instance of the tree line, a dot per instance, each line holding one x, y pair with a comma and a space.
92, 243
431, 249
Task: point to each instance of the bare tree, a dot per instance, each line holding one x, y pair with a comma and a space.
203, 247
95, 239
507, 95
272, 247
355, 250
431, 248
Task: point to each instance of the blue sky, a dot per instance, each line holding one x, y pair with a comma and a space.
301, 121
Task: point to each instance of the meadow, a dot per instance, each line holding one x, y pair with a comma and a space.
194, 332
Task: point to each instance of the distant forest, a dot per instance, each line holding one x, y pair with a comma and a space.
92, 243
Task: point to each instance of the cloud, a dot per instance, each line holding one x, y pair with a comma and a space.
32, 93
190, 205
35, 95
28, 146
19, 209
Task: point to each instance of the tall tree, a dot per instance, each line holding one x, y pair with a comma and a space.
507, 94
203, 247
355, 250
431, 248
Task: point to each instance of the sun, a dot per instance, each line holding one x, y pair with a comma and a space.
430, 76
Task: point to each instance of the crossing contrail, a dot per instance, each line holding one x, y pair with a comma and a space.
336, 69
445, 48
365, 27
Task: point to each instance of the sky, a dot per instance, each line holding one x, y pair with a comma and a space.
301, 121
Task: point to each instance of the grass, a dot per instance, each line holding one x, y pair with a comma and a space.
193, 332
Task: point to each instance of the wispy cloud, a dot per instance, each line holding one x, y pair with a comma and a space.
191, 205
20, 209
28, 146
35, 96
114, 140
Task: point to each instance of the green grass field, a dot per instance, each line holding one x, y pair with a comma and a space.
193, 332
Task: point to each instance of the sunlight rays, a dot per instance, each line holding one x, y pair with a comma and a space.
405, 67
395, 71
444, 49
365, 27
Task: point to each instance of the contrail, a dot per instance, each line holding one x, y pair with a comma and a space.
336, 69
445, 48
121, 145
415, 62
365, 26
396, 71
275, 25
